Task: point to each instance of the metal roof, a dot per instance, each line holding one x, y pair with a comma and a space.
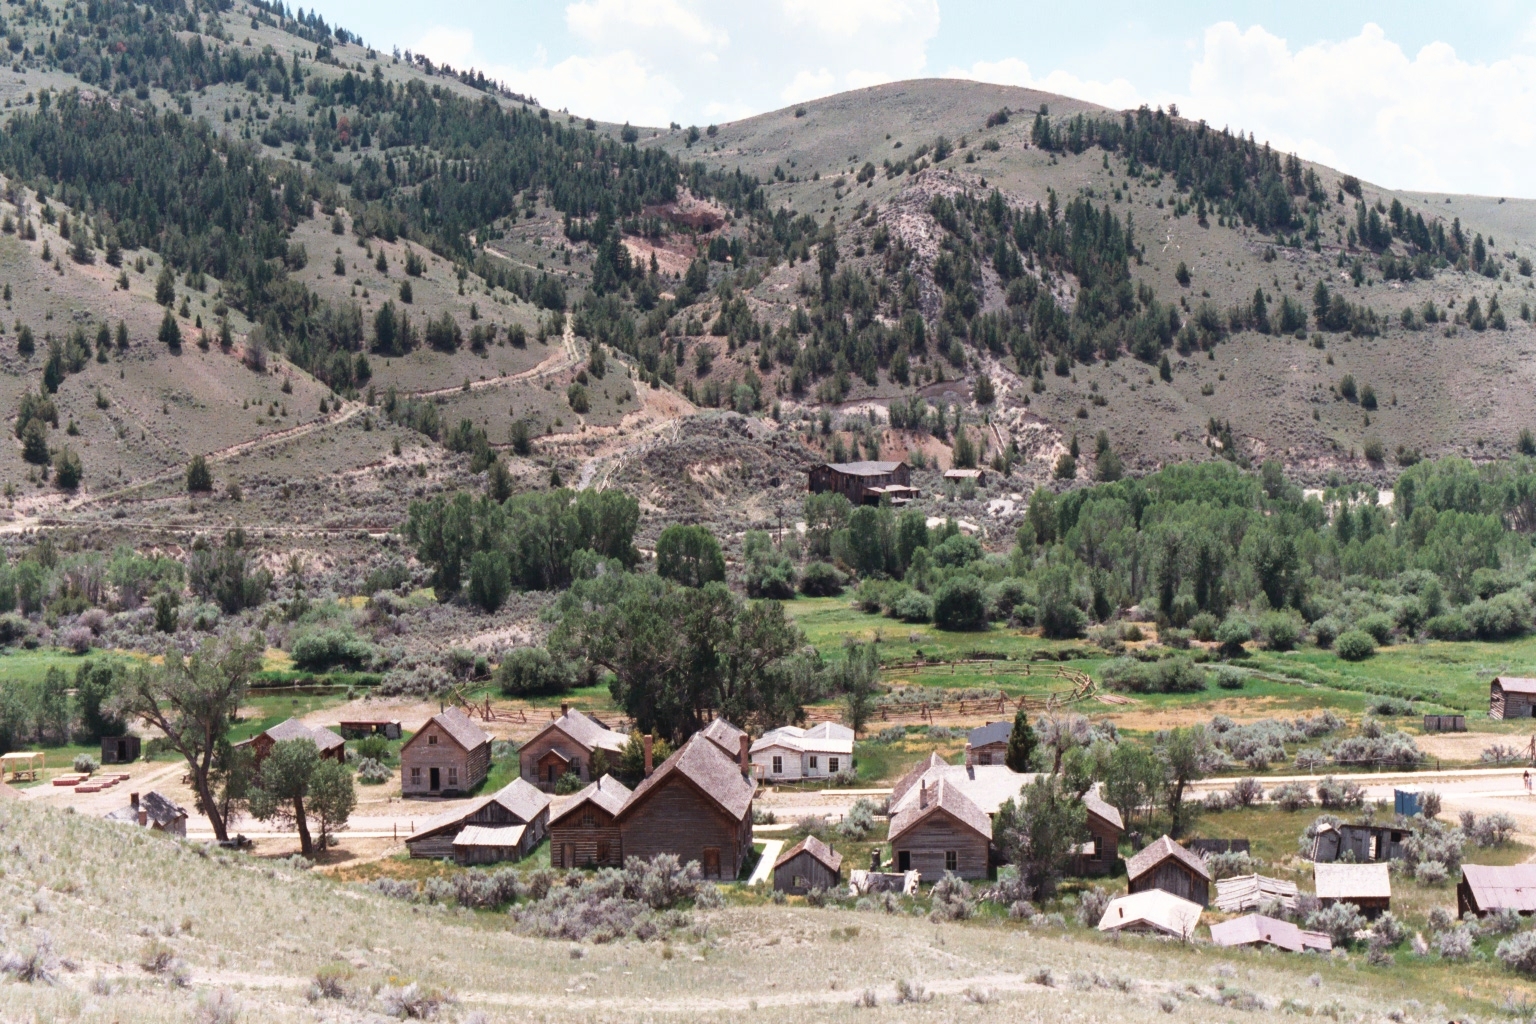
1254, 929
1495, 888
1152, 909
1245, 892
864, 468
1336, 881
992, 732
488, 835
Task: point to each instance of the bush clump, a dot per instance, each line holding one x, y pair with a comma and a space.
327, 649
1173, 675
1354, 645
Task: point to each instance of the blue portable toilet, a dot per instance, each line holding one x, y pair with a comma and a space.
1405, 802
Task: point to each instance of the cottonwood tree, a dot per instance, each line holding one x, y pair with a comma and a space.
1181, 753
1132, 779
193, 701
1039, 832
858, 677
689, 555
295, 783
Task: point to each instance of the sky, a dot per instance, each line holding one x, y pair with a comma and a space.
1410, 95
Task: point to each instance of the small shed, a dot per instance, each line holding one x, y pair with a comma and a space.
975, 476
809, 864
119, 749
1249, 892
1101, 852
489, 844
517, 804
1367, 886
1152, 910
1485, 889
988, 744
153, 811
1512, 697
1445, 723
1363, 843
1168, 866
1258, 930
363, 728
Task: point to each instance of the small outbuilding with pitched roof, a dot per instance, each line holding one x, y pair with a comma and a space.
1512, 697
516, 805
1258, 930
1152, 910
153, 811
1485, 889
331, 745
1168, 866
1367, 886
809, 864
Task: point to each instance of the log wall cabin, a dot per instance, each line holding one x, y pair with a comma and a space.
1511, 697
1168, 866
586, 833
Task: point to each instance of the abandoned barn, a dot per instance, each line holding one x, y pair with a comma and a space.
1367, 886
449, 756
1512, 697
1168, 866
586, 833
864, 483
1360, 843
1486, 889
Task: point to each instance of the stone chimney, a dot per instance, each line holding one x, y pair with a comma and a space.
565, 709
922, 795
746, 759
143, 811
645, 744
968, 752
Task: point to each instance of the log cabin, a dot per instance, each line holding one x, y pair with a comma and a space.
809, 864
585, 833
518, 805
1511, 697
331, 746
696, 805
449, 756
939, 829
567, 746
1168, 866
1100, 854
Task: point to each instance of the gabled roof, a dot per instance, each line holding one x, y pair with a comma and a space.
829, 731
293, 729
992, 732
1494, 888
816, 741
160, 810
864, 468
1152, 909
521, 799
1160, 851
1516, 684
724, 735
490, 835
828, 857
459, 727
985, 785
707, 767
944, 796
607, 792
916, 772
592, 735
1099, 808
1338, 881
1255, 929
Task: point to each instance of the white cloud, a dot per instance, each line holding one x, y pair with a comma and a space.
1117, 93
1433, 121
808, 85
609, 22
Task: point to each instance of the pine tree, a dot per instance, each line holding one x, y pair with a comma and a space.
165, 286
1165, 369
170, 332
199, 479
122, 336
1021, 744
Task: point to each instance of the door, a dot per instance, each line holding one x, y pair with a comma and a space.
568, 855
712, 862
122, 751
904, 860
436, 781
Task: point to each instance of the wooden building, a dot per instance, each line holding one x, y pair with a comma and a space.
790, 753
988, 744
1512, 697
1258, 930
119, 749
153, 811
864, 483
697, 805
331, 746
1168, 866
1485, 889
1100, 854
585, 833
449, 756
960, 476
1367, 886
1362, 843
1250, 892
940, 829
516, 805
1153, 911
809, 864
1445, 723
360, 729
567, 746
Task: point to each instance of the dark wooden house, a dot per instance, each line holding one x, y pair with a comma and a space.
567, 746
119, 749
697, 805
1485, 889
1360, 843
508, 823
1100, 854
331, 746
585, 833
809, 864
864, 482
988, 744
1512, 697
1168, 866
449, 756
941, 830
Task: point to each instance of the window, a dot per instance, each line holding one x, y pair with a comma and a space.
453, 776
778, 764
951, 860
586, 819
984, 758
432, 741
415, 776
813, 762
832, 765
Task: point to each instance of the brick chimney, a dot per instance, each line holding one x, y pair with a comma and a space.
143, 811
746, 759
922, 795
565, 709
645, 744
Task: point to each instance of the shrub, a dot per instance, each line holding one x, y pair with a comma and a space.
1325, 630
1247, 792
1339, 921
951, 899
1230, 678
326, 649
1230, 864
1091, 906
1378, 626
372, 772
1449, 626
913, 606
85, 764
822, 580
1500, 617
1232, 634
1456, 943
1489, 829
1335, 795
1354, 645
533, 672
1388, 931
1292, 796
199, 478
1391, 706
1173, 675
1281, 631
1518, 952
1430, 872
960, 605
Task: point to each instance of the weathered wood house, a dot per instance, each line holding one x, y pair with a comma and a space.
1100, 854
864, 482
585, 832
1362, 843
331, 746
567, 746
1168, 866
1512, 697
119, 749
697, 805
988, 744
510, 823
153, 811
1250, 892
1485, 889
449, 756
809, 864
938, 829
1367, 886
